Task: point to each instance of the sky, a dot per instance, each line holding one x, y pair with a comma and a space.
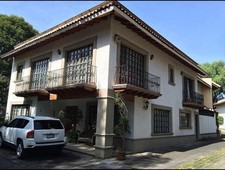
195, 27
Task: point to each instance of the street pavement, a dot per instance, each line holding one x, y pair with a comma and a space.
162, 158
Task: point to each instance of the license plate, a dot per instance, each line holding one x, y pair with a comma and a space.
50, 135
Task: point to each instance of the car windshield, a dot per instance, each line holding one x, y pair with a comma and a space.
47, 124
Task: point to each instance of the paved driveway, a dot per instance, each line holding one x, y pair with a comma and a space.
164, 158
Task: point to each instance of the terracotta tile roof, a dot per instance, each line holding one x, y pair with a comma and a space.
103, 9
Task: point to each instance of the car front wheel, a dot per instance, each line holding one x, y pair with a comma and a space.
20, 151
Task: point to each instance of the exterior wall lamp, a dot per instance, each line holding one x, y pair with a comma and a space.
151, 57
59, 51
146, 104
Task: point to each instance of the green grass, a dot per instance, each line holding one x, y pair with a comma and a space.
206, 161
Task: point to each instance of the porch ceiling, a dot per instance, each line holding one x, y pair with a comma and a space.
74, 91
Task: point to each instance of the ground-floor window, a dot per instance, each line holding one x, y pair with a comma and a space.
185, 119
161, 120
18, 110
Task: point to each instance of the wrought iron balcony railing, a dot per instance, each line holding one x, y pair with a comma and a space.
71, 75
138, 78
193, 97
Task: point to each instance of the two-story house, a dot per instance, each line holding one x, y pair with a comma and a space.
83, 61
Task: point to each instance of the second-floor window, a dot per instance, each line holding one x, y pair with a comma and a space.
132, 66
188, 88
19, 72
39, 74
78, 65
171, 75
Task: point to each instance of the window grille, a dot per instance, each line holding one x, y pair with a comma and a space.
19, 110
161, 121
78, 66
135, 66
39, 74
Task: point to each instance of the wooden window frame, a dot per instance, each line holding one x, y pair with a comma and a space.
188, 123
171, 75
169, 125
20, 106
35, 63
135, 62
19, 72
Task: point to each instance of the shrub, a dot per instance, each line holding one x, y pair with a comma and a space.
220, 120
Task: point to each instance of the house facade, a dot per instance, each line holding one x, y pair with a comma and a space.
220, 107
80, 64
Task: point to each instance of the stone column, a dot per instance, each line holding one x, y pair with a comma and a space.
104, 129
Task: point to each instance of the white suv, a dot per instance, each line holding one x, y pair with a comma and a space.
25, 132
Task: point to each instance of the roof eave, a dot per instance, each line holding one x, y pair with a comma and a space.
63, 27
104, 9
158, 38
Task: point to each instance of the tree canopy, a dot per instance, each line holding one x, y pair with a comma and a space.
13, 30
216, 70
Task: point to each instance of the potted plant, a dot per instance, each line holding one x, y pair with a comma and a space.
122, 127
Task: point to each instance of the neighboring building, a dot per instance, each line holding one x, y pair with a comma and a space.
108, 49
220, 107
207, 116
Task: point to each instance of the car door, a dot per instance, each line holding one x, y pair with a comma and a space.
9, 130
17, 131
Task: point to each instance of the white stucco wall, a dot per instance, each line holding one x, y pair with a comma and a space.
142, 120
207, 124
171, 95
101, 59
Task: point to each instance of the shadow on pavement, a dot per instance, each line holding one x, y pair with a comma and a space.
186, 147
146, 161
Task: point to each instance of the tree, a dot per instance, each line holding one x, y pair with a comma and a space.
13, 30
216, 70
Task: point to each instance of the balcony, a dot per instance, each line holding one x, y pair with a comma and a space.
27, 87
74, 81
136, 83
193, 100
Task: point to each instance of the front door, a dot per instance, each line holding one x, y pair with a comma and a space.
92, 117
74, 117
